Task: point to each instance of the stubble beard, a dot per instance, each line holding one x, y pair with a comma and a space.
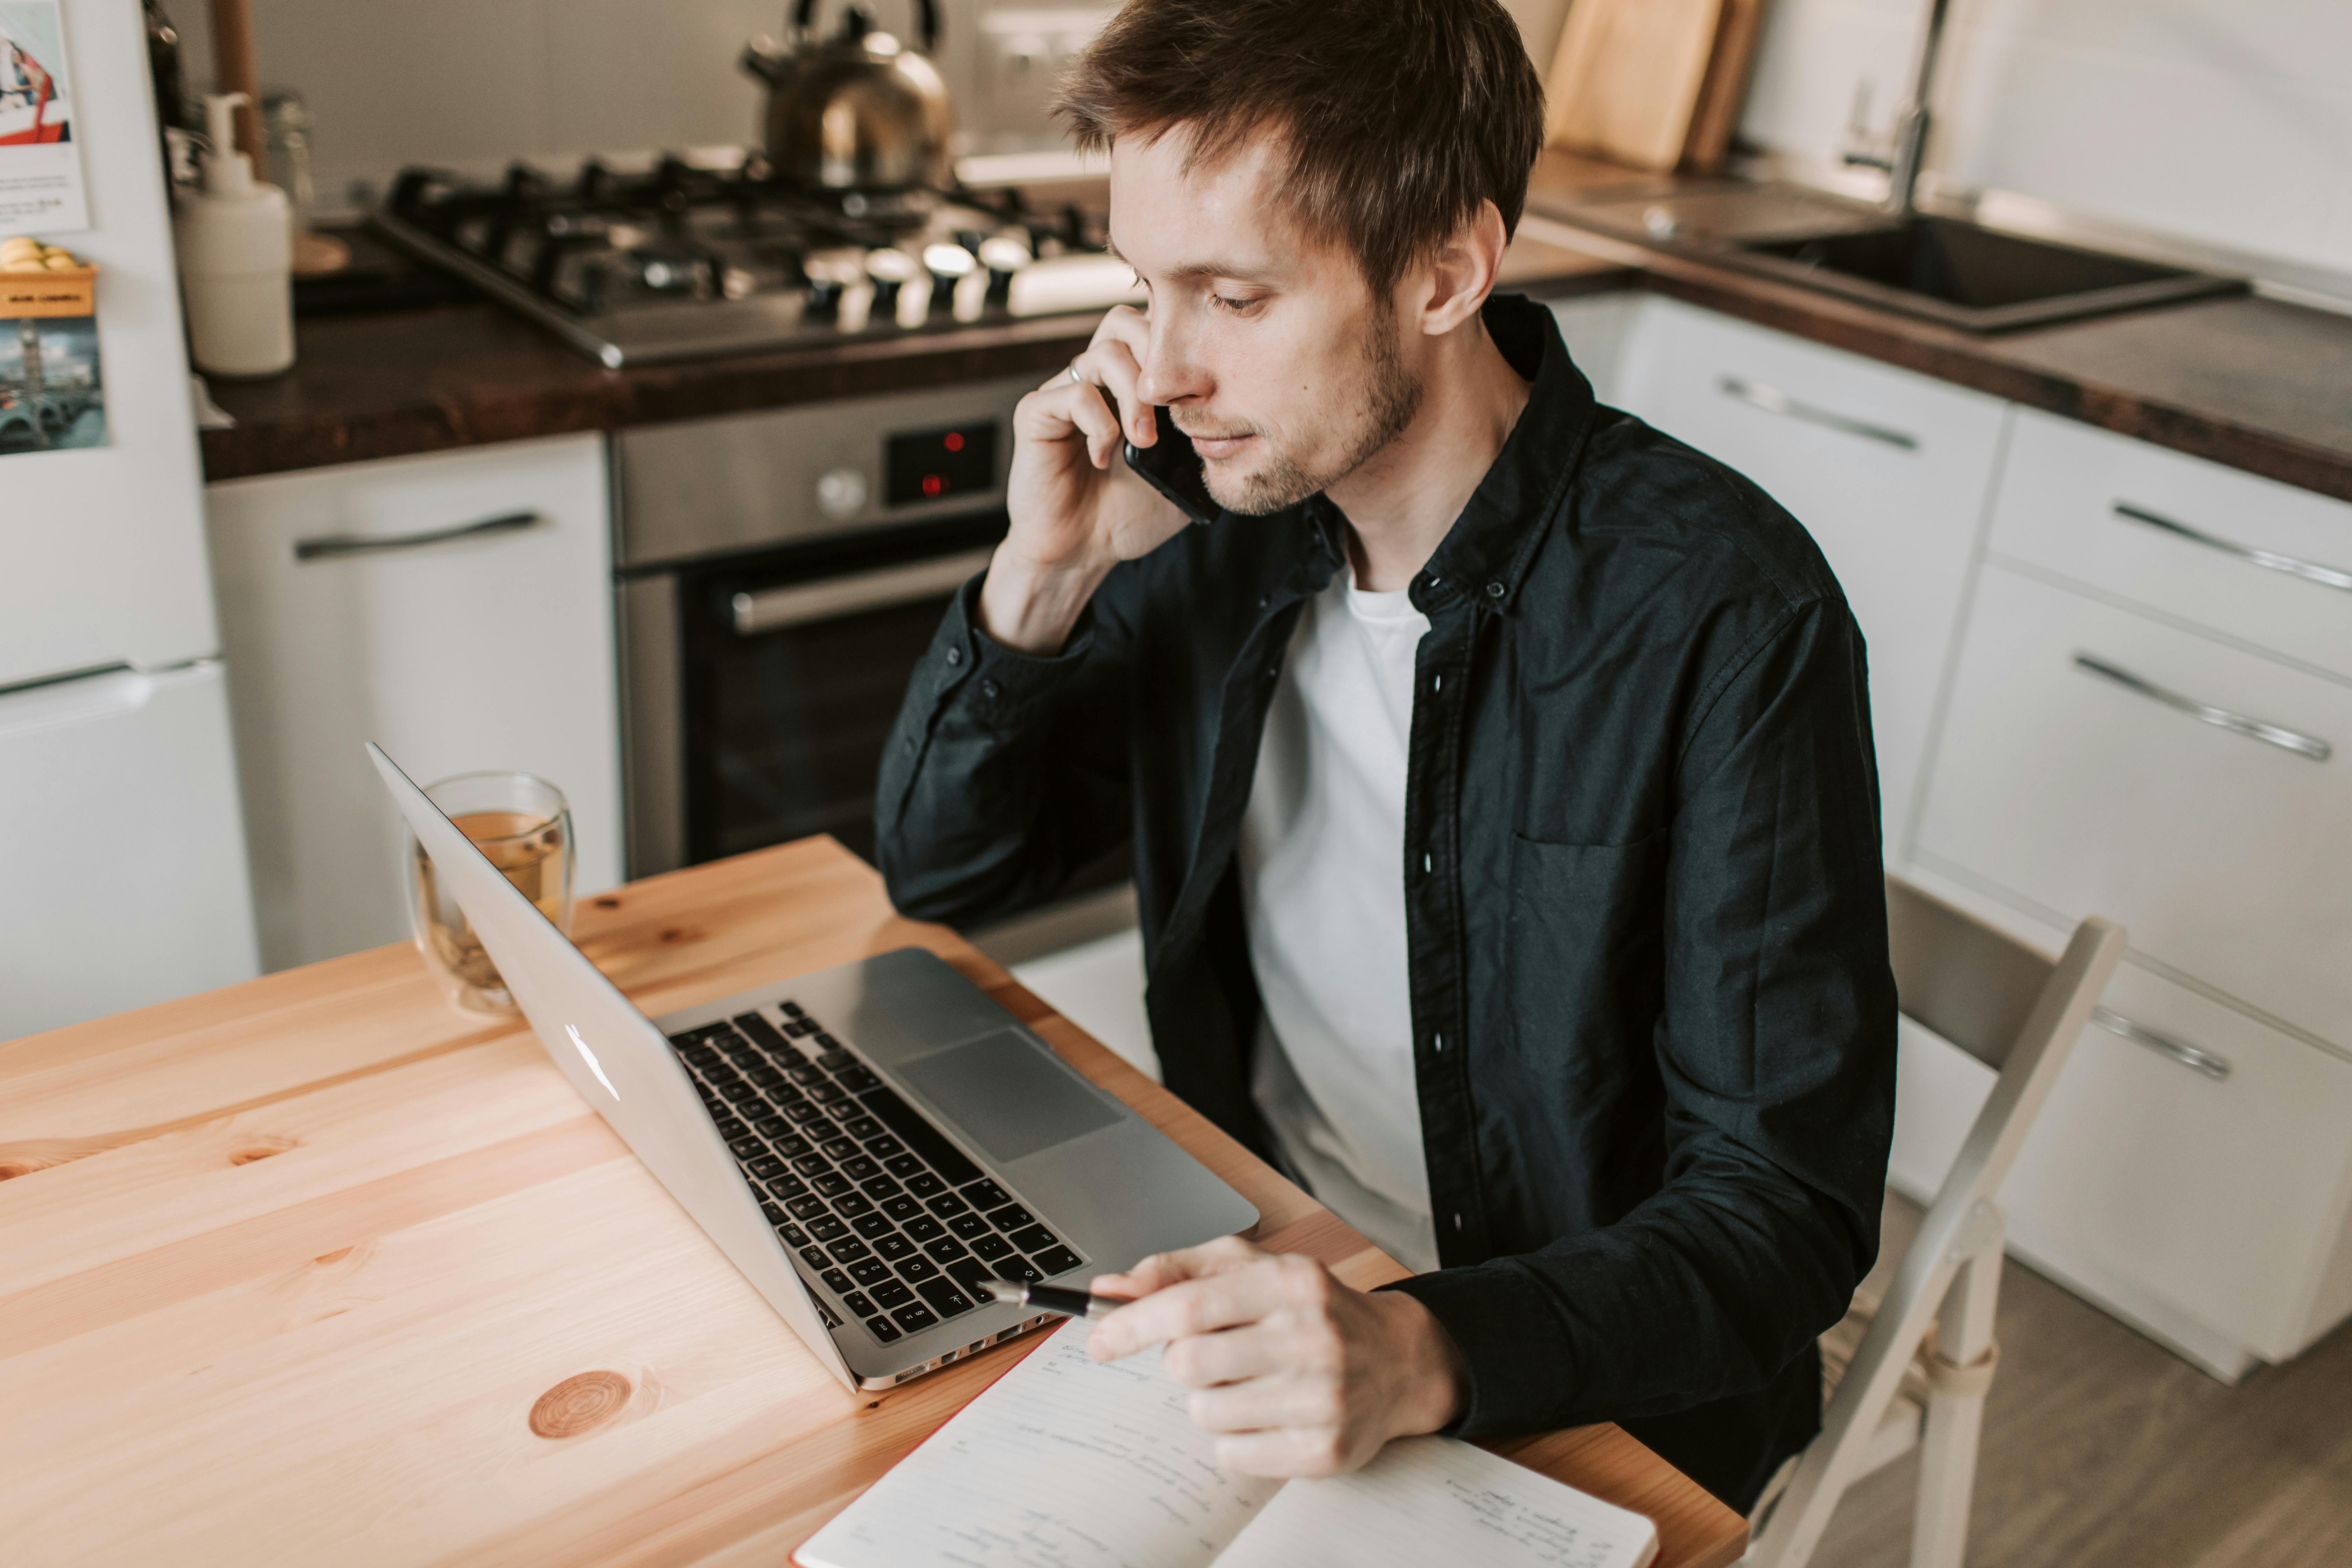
1394, 402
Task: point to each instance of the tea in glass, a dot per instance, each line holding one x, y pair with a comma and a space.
524, 827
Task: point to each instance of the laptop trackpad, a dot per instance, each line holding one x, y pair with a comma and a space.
1010, 1098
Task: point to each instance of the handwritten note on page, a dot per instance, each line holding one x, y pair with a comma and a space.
1064, 1463
1432, 1500
1068, 1464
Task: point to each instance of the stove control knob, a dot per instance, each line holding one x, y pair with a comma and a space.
841, 494
948, 265
890, 270
824, 299
1003, 255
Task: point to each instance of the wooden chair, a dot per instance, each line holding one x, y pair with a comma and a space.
1917, 1378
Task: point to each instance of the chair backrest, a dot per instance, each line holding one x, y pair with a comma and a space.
1974, 986
2011, 1007
2019, 1013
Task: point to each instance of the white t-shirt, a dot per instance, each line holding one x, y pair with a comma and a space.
1322, 866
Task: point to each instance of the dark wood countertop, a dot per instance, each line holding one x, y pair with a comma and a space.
2254, 383
393, 383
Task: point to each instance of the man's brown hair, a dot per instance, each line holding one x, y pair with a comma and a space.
1398, 117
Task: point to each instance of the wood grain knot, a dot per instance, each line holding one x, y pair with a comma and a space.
260, 1149
608, 902
579, 1404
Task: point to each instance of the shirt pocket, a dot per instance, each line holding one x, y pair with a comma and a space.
1584, 967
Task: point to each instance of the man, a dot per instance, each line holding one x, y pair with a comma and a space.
1497, 772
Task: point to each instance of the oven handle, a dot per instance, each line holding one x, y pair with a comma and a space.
773, 609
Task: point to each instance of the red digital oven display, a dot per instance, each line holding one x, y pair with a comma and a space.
925, 465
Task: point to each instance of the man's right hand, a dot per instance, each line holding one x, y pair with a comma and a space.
1078, 509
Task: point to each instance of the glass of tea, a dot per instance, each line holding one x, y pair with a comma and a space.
524, 827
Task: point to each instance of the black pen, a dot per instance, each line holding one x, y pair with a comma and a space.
1053, 1298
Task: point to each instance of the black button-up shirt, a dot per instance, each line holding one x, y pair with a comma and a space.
1654, 1021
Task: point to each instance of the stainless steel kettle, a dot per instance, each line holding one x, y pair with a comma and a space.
859, 112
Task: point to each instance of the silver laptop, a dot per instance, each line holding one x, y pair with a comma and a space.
866, 1143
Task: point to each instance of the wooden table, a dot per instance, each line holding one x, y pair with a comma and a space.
288, 1271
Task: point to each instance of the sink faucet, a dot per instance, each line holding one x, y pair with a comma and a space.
1903, 151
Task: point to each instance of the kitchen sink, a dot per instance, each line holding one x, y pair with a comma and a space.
1975, 277
1961, 274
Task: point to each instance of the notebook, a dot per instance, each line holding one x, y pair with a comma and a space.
1068, 1463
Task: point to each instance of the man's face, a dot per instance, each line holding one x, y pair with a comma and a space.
1268, 348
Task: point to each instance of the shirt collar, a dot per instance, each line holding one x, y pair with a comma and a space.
1486, 553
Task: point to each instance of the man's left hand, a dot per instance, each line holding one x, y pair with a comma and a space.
1295, 1374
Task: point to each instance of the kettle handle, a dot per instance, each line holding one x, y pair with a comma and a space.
927, 16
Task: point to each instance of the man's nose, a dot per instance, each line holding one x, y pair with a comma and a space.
1167, 371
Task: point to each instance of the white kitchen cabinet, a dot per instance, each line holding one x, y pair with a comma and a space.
2245, 558
456, 609
2190, 1170
2070, 774
1889, 471
1596, 329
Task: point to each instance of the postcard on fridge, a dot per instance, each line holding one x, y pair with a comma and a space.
41, 160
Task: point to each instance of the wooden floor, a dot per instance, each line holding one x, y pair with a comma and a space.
2102, 1449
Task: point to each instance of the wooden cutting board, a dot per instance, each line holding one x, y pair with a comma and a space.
1626, 80
1724, 90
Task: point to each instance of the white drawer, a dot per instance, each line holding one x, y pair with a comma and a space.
1888, 471
2224, 855
2221, 1199
456, 650
2095, 506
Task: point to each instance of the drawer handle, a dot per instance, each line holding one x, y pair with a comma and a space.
328, 546
2163, 1045
776, 608
1772, 400
2301, 744
2309, 571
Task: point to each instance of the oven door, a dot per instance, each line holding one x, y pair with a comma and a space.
793, 663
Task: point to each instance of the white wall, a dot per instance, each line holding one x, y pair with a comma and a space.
471, 84
474, 83
2223, 120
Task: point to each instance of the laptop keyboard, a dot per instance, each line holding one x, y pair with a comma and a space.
892, 1217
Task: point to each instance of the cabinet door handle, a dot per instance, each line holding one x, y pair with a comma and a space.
2309, 571
2295, 741
330, 545
1772, 400
2190, 1057
773, 609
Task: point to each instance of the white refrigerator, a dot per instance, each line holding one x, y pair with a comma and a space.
122, 863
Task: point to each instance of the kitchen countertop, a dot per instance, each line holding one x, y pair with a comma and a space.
2254, 383
317, 1268
388, 384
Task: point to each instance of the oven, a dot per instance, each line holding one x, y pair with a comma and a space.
780, 575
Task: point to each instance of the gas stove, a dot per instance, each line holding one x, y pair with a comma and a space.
694, 257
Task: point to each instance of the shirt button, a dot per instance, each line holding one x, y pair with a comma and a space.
1494, 590
955, 656
1457, 1222
989, 688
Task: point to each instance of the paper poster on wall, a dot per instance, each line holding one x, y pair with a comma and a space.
51, 396
40, 162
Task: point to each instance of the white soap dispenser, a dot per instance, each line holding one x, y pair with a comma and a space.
236, 258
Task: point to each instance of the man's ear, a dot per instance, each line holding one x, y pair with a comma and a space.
1462, 271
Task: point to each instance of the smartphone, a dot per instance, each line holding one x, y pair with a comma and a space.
1172, 466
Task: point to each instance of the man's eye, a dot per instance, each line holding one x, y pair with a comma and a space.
1238, 306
